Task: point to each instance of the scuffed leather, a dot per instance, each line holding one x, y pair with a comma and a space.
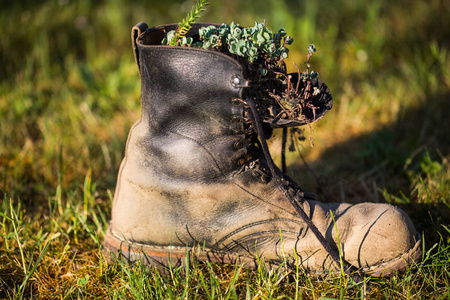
180, 182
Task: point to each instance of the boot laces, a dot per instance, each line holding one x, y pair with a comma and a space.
287, 186
251, 161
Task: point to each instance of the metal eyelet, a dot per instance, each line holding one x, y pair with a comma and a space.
239, 82
236, 102
238, 119
238, 145
265, 179
255, 173
240, 131
241, 161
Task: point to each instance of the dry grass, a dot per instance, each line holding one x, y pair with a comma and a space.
69, 92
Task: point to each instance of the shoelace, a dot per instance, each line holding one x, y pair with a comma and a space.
295, 198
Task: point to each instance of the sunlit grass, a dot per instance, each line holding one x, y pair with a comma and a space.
69, 92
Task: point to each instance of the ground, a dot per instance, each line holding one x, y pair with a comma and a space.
69, 92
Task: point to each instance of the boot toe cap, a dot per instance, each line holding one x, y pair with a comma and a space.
381, 233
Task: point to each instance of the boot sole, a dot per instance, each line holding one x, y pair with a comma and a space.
166, 257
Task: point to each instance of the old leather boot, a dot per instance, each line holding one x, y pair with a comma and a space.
194, 173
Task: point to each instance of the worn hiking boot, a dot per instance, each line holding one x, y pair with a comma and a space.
195, 174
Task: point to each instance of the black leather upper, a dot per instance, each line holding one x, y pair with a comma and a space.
187, 105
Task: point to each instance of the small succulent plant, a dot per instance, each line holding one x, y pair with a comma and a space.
262, 52
250, 42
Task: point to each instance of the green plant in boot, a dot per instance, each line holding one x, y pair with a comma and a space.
177, 37
262, 53
197, 172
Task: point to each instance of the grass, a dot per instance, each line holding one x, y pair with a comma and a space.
69, 92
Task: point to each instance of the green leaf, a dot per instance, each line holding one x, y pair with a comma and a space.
232, 48
236, 32
170, 36
83, 281
240, 47
312, 48
253, 51
247, 32
186, 23
282, 32
288, 40
186, 41
202, 32
260, 39
224, 29
214, 40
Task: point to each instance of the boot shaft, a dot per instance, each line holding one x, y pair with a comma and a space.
186, 83
190, 115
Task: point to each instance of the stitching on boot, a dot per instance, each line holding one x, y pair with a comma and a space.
250, 225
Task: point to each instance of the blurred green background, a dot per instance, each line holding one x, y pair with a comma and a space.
69, 89
69, 93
